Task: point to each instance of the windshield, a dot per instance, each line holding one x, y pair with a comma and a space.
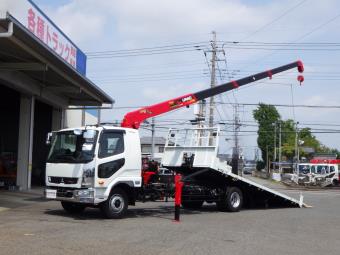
68, 147
304, 169
322, 169
313, 169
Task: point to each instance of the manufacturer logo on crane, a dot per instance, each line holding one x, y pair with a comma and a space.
181, 101
187, 99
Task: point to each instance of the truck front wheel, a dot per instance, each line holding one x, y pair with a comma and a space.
116, 205
231, 201
72, 207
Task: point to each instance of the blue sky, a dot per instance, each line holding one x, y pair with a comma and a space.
142, 80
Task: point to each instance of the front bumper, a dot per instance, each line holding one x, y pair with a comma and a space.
85, 196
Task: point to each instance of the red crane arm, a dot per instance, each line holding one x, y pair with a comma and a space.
135, 118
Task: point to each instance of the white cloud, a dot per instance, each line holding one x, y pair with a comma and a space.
83, 21
157, 94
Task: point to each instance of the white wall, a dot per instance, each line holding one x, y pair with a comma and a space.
73, 118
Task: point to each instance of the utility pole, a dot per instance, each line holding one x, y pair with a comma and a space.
236, 149
275, 127
201, 113
152, 138
256, 155
213, 79
296, 142
280, 146
199, 121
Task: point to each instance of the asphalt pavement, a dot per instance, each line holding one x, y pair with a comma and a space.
44, 228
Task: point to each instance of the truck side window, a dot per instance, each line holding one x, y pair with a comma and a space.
111, 143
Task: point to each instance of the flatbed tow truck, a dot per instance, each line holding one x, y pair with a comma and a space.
100, 165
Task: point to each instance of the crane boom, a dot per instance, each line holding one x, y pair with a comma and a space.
135, 118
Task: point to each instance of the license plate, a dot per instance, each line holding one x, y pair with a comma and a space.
50, 193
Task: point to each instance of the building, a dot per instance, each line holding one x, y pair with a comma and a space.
146, 144
42, 74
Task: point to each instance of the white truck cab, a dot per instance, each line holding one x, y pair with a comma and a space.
85, 165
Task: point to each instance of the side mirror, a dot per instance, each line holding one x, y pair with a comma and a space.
172, 135
77, 131
49, 138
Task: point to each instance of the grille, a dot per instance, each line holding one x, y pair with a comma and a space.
62, 192
65, 180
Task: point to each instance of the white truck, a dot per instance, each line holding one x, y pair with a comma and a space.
100, 166
318, 173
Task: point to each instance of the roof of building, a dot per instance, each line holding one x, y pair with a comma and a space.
26, 54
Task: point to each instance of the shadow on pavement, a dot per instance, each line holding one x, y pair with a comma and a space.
162, 212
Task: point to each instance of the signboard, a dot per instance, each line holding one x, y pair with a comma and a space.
34, 19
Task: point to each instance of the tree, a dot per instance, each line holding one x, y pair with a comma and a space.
288, 138
266, 117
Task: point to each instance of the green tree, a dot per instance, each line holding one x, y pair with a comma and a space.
266, 117
309, 140
288, 138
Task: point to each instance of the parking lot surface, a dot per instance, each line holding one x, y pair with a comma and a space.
44, 228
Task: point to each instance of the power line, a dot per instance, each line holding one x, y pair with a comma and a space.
288, 44
146, 51
163, 47
274, 20
270, 48
289, 105
300, 38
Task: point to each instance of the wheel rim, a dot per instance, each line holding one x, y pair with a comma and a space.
235, 199
116, 203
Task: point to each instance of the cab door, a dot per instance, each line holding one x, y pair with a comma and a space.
111, 156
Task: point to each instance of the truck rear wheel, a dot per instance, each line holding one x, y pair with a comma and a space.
232, 201
72, 207
192, 204
116, 205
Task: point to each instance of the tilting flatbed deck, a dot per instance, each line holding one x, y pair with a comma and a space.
193, 154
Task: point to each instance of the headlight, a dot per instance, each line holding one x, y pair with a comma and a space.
85, 193
84, 196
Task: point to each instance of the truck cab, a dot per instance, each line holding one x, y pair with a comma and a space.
85, 165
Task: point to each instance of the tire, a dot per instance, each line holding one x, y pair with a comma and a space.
232, 201
192, 204
73, 208
116, 205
